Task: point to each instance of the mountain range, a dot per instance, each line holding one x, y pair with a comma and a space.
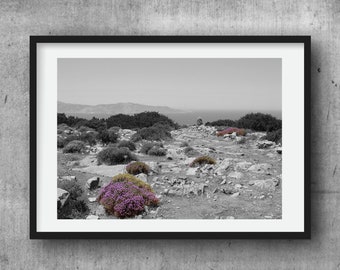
112, 109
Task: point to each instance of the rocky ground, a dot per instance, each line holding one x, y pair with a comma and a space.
245, 183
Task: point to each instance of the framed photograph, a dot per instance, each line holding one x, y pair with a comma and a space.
170, 137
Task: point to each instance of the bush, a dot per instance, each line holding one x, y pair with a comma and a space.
113, 156
76, 206
148, 145
127, 144
125, 177
157, 151
125, 199
60, 142
259, 122
107, 136
151, 134
202, 161
114, 129
137, 168
74, 147
225, 123
140, 120
274, 136
231, 130
89, 137
190, 152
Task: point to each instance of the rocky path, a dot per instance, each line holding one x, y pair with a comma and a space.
245, 182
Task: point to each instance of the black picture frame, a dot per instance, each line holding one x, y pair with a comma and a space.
35, 40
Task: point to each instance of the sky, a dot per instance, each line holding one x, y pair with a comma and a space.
180, 83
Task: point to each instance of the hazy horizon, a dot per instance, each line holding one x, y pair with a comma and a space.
180, 83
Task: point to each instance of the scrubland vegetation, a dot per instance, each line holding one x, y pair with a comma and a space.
133, 141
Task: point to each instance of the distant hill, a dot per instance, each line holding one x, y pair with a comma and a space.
111, 109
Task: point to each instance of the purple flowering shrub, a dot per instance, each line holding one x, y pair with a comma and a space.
125, 199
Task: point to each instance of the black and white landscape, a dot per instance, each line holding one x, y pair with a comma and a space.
169, 138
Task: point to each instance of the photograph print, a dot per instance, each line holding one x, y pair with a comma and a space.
169, 138
150, 142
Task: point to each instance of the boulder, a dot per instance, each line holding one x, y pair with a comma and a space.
260, 168
92, 183
279, 150
62, 197
233, 135
143, 177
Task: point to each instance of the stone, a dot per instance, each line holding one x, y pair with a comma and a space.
155, 167
223, 166
242, 165
236, 194
240, 140
260, 168
100, 211
236, 175
62, 197
68, 178
92, 199
172, 192
265, 184
223, 182
93, 217
192, 171
143, 177
174, 154
265, 144
233, 135
104, 170
92, 183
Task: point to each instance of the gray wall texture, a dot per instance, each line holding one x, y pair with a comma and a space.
19, 19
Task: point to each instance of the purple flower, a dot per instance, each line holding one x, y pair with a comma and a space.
124, 199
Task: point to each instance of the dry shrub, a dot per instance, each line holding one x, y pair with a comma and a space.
202, 161
137, 168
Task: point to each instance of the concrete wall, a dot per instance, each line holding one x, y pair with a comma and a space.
19, 19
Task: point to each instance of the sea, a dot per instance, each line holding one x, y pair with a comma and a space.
190, 118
